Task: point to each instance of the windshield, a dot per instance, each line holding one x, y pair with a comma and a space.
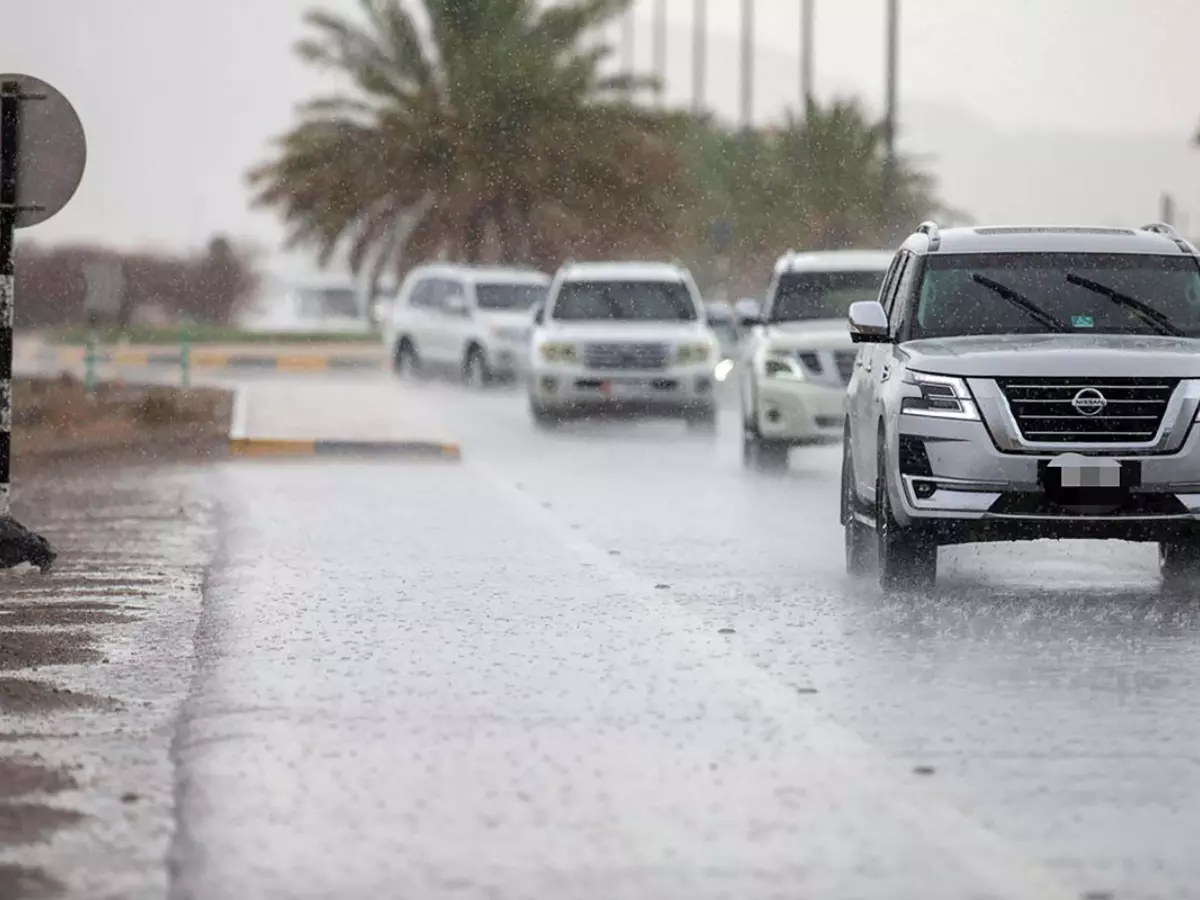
647, 301
1038, 293
803, 296
508, 296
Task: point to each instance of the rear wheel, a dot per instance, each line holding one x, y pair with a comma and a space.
761, 454
476, 373
907, 557
857, 535
405, 361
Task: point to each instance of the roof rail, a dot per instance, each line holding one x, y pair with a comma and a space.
1169, 231
930, 228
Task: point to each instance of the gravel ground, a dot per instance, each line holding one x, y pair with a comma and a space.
95, 658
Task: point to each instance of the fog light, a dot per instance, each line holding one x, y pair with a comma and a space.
549, 385
773, 415
924, 489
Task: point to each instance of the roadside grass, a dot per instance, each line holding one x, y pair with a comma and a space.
206, 334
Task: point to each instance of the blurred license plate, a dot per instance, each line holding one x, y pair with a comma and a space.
619, 388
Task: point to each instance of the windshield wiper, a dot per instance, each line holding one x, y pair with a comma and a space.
1035, 312
1147, 314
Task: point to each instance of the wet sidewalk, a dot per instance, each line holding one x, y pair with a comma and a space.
95, 659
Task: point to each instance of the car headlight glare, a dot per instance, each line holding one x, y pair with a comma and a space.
559, 352
692, 353
942, 397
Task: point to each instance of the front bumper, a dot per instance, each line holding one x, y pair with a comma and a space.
799, 411
672, 391
949, 476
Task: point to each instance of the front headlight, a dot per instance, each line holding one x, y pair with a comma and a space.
942, 397
692, 353
554, 351
782, 365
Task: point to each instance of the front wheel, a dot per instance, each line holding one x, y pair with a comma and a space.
1179, 563
405, 361
907, 558
763, 455
543, 419
857, 536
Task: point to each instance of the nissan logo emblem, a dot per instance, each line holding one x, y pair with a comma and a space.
1089, 402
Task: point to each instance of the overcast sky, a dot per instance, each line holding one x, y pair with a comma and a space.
180, 96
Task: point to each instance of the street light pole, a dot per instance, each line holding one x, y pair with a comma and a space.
627, 35
699, 54
747, 63
660, 49
893, 33
806, 52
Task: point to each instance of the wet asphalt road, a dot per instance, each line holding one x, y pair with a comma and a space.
609, 663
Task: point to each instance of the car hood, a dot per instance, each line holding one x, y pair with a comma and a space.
626, 331
1056, 355
817, 334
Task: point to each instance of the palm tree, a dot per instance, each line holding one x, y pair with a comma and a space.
491, 135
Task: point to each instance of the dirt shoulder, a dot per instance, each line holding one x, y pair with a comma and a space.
57, 422
96, 656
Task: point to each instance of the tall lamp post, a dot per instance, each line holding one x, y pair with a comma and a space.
747, 110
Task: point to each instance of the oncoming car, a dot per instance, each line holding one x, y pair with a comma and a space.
1025, 383
471, 322
622, 338
799, 355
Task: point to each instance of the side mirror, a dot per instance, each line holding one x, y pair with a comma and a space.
748, 312
539, 314
868, 323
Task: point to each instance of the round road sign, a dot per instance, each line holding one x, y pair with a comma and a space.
51, 150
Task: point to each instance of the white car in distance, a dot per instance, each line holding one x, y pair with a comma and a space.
623, 338
472, 322
799, 356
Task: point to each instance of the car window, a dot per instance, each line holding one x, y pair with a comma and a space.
421, 296
805, 296
508, 296
649, 301
1037, 293
887, 290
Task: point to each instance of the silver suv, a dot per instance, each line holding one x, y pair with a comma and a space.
1025, 383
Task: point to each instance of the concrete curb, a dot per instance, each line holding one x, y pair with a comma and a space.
206, 359
242, 445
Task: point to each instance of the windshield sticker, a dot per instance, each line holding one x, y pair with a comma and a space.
1083, 322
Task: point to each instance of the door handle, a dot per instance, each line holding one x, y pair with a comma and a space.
885, 372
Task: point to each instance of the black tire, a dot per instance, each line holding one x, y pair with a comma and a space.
475, 371
405, 361
1179, 563
857, 535
763, 455
702, 420
543, 418
907, 558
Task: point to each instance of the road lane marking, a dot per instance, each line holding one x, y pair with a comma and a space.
1005, 869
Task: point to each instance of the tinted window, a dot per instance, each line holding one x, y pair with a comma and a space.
508, 296
965, 294
654, 301
822, 295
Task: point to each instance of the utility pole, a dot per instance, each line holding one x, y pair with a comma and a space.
627, 36
747, 64
893, 34
699, 54
806, 52
660, 49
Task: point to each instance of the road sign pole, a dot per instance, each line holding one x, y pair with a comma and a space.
10, 135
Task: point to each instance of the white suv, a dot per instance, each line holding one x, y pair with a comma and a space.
623, 338
799, 356
473, 322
